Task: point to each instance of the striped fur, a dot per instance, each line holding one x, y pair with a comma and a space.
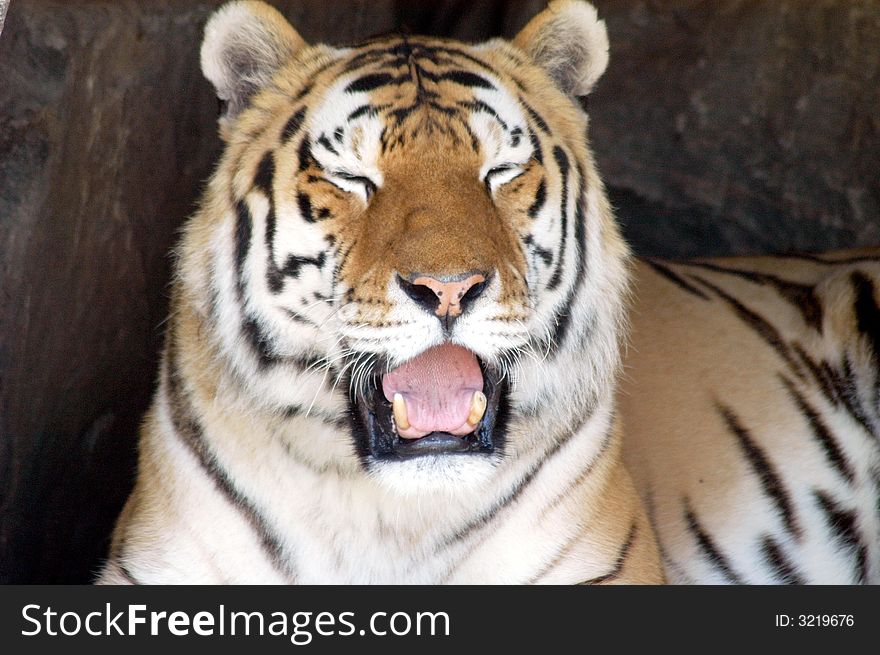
751, 402
343, 168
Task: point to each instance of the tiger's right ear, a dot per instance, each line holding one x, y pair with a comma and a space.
245, 43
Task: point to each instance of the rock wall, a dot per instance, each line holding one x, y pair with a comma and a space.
721, 127
742, 127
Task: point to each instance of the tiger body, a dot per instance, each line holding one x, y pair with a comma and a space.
751, 403
412, 232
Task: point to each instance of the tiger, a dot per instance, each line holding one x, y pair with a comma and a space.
408, 344
395, 323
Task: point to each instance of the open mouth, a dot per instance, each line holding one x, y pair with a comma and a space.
443, 401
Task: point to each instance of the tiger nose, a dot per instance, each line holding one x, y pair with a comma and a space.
446, 296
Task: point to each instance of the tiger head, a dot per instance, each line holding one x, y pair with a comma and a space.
409, 237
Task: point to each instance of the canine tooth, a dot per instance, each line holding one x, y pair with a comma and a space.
478, 408
400, 416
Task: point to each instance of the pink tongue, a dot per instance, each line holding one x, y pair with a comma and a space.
438, 387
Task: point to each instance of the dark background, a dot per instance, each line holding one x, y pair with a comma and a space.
721, 127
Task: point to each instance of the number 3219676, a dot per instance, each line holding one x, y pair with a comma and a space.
815, 620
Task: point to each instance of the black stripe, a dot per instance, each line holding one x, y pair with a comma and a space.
422, 49
545, 255
540, 199
766, 472
708, 546
580, 238
515, 136
867, 311
304, 202
294, 123
783, 568
324, 141
400, 114
823, 435
190, 431
563, 316
295, 410
243, 229
374, 81
498, 506
537, 151
295, 262
822, 373
843, 523
676, 279
259, 341
296, 317
850, 395
313, 74
475, 142
667, 561
303, 92
619, 561
369, 54
801, 296
480, 106
537, 119
306, 158
838, 389
562, 162
360, 111
274, 279
340, 266
264, 178
452, 112
760, 326
461, 77
261, 345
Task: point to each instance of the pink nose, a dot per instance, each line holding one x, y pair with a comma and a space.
445, 296
449, 294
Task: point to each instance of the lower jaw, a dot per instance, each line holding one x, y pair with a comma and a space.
438, 443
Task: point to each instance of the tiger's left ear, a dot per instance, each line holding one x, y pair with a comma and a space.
245, 44
568, 41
